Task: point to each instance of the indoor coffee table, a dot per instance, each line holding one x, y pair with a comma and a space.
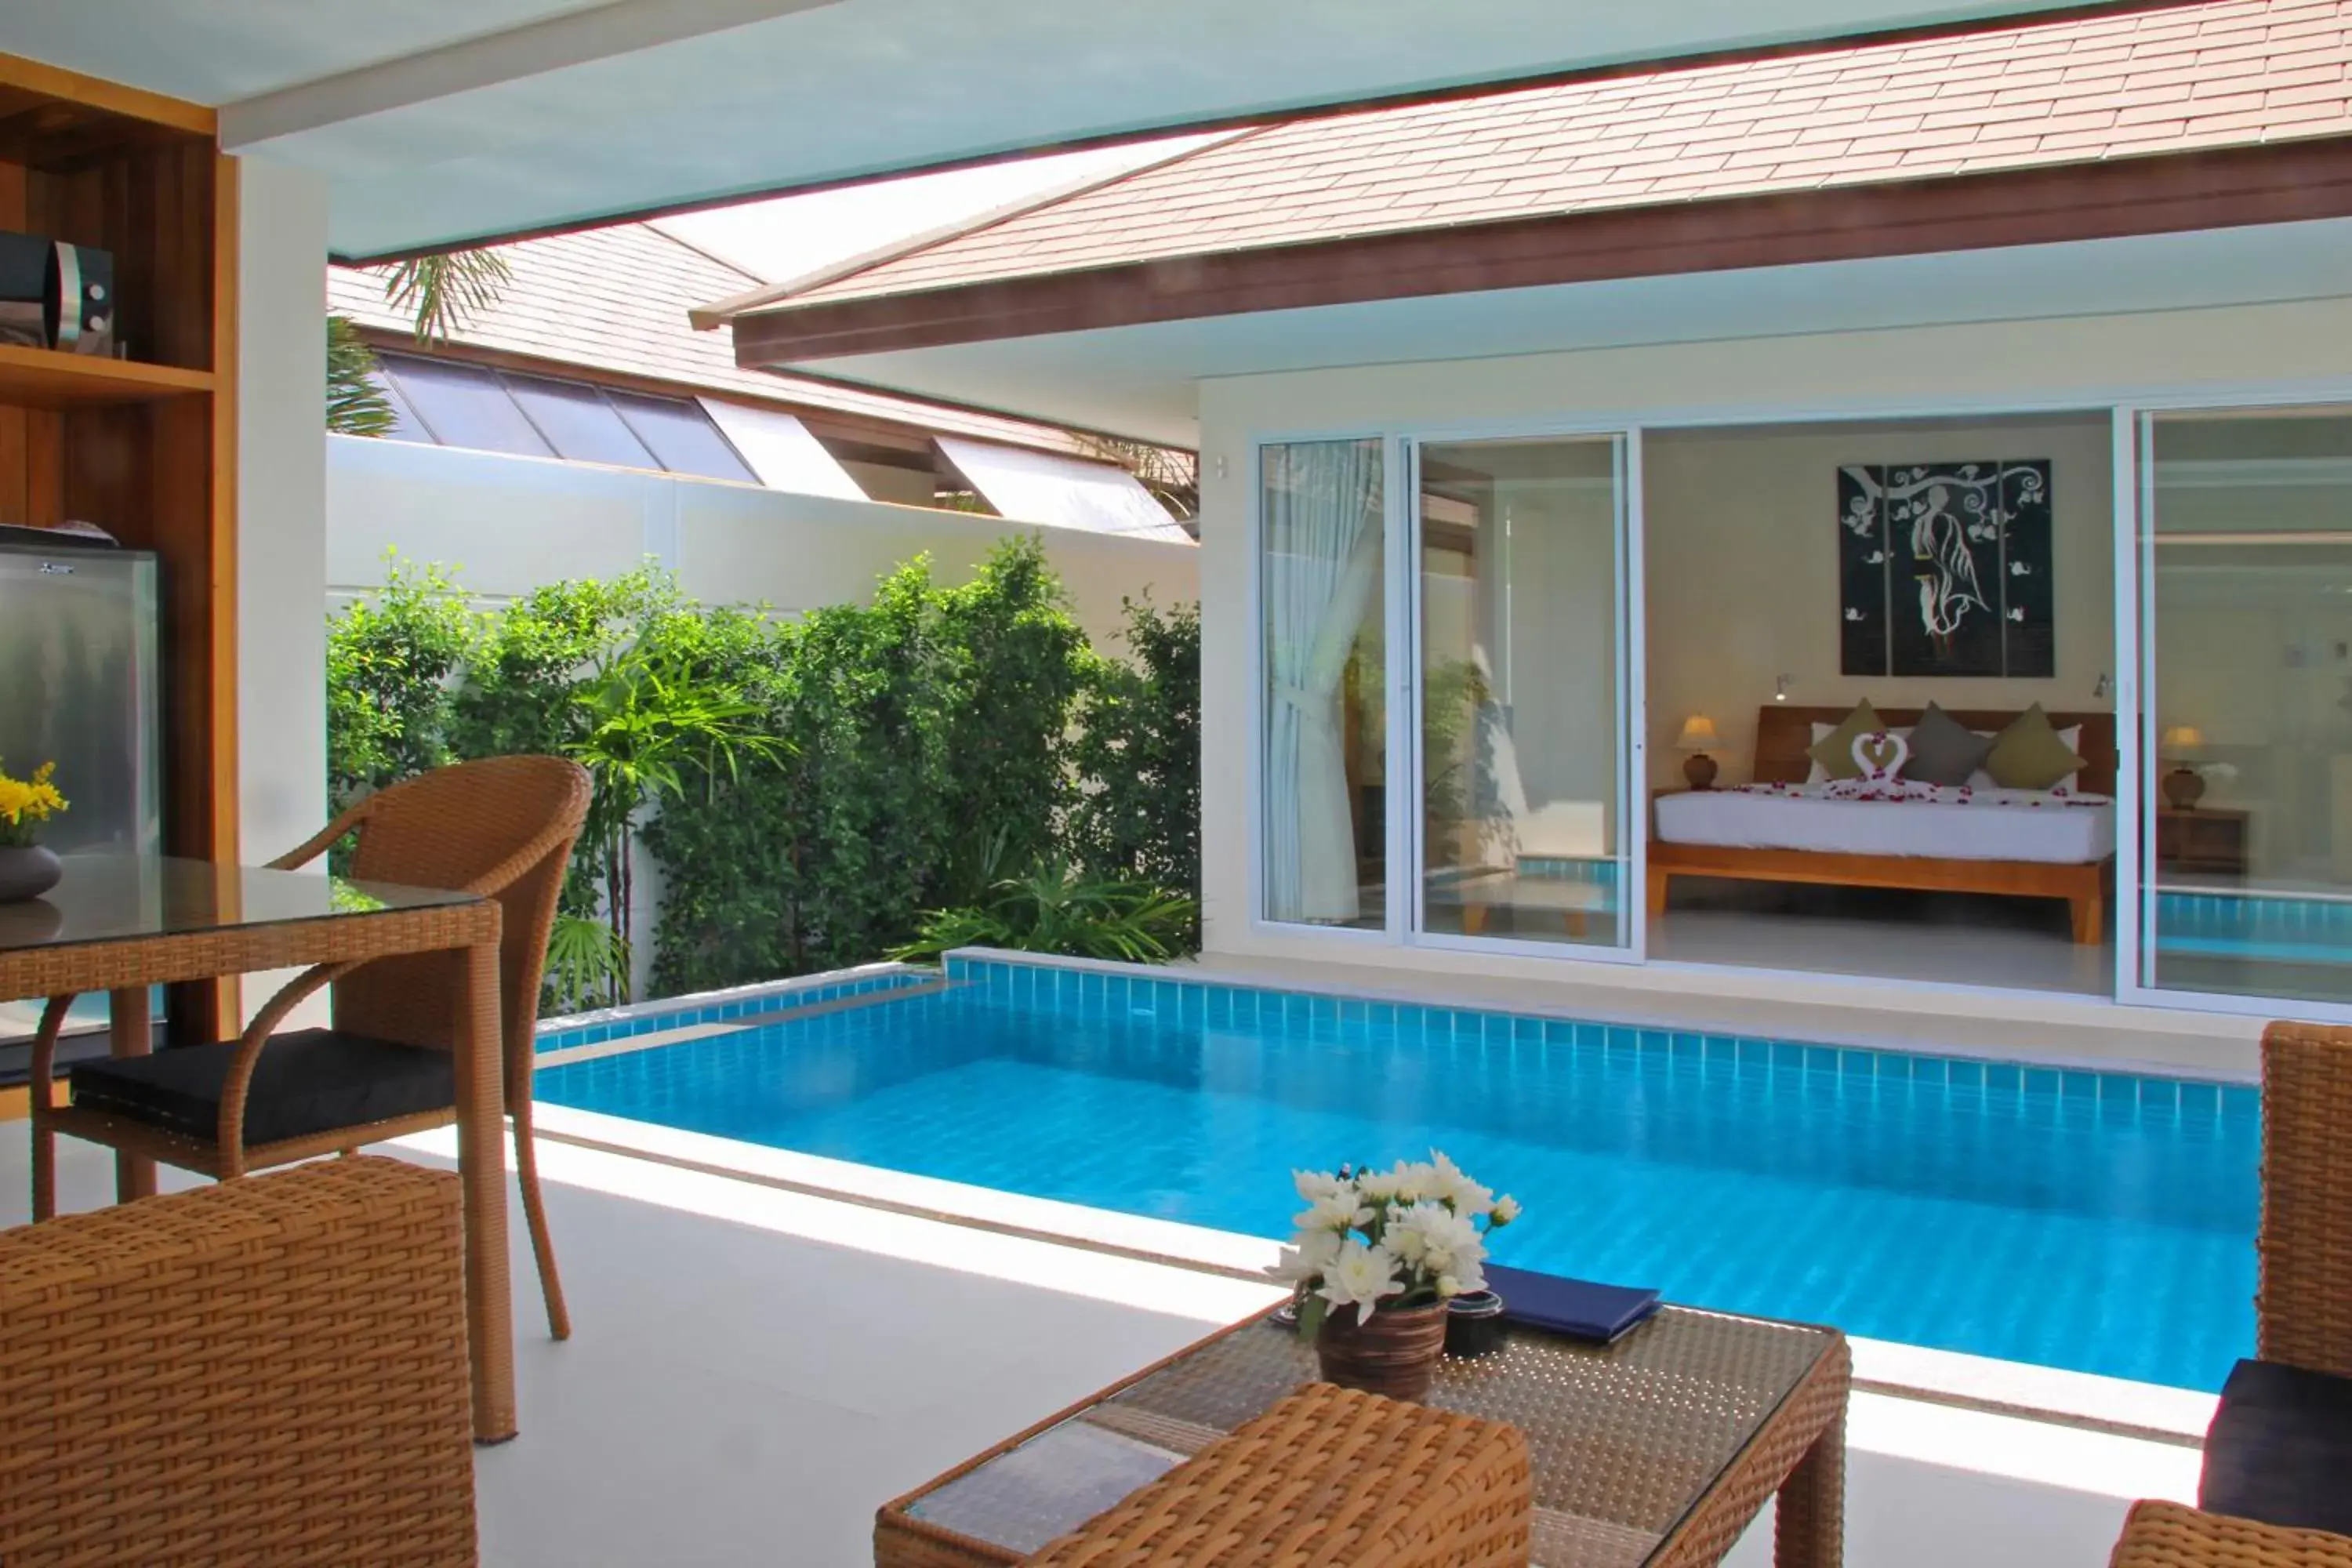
1652, 1452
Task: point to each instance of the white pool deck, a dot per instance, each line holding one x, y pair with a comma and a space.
755, 1369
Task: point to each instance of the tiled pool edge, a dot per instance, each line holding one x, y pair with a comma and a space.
878, 982
2115, 1406
611, 1024
1083, 984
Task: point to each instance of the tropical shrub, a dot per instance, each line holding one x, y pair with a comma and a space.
809, 789
925, 731
1138, 751
1056, 908
392, 666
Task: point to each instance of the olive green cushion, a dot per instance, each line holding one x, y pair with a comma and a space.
1834, 750
2030, 756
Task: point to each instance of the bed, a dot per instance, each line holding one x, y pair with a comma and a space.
1998, 842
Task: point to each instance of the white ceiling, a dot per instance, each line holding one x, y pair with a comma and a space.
439, 121
1141, 381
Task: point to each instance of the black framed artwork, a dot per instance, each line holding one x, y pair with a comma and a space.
1944, 569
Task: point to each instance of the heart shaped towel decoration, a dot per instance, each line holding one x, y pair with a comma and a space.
1881, 756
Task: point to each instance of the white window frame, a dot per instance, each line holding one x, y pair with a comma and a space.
2136, 880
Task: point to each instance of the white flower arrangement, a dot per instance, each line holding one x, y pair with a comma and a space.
1404, 1236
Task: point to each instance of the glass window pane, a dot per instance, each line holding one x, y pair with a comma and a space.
1522, 728
405, 425
578, 423
2247, 817
1321, 578
781, 452
464, 406
681, 437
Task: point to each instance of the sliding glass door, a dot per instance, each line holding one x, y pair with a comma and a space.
1524, 828
2245, 841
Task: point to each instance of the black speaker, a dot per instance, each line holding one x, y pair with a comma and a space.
55, 295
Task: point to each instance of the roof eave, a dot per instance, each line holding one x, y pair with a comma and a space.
2115, 198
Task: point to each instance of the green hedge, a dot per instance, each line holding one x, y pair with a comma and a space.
912, 750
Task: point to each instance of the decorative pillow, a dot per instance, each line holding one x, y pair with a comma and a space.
2070, 737
1944, 751
1833, 753
2029, 754
1818, 774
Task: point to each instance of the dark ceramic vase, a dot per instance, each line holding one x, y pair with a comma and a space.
1395, 1353
26, 872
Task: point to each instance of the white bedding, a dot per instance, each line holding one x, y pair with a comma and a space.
1989, 825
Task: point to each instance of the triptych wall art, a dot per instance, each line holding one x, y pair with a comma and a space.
1944, 569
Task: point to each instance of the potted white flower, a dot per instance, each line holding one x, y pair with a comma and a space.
1376, 1257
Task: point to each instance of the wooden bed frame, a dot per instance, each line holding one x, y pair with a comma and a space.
1782, 734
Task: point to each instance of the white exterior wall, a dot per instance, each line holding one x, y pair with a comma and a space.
2304, 348
506, 525
281, 643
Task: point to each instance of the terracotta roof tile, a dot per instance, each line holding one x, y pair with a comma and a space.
615, 298
2211, 74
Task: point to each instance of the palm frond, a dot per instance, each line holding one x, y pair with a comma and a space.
587, 964
355, 404
443, 292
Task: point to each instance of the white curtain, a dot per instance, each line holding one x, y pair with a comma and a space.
1321, 575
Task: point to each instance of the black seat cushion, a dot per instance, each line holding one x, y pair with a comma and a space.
2280, 1449
311, 1081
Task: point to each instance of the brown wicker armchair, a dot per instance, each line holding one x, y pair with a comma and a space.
265, 1372
2280, 1451
504, 827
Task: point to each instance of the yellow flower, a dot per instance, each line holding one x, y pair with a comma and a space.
24, 802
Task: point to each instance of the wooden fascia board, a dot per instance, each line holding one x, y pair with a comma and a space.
2155, 194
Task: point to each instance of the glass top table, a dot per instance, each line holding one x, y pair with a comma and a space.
106, 898
1655, 1449
120, 923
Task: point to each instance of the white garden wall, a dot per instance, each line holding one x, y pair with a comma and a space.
508, 524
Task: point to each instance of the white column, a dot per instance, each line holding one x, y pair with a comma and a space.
281, 502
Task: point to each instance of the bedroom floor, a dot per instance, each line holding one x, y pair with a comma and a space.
1948, 939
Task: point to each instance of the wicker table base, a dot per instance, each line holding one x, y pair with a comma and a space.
1654, 1452
1327, 1478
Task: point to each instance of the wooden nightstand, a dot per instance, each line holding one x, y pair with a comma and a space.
2209, 841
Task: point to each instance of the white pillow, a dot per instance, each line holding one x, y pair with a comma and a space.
1819, 774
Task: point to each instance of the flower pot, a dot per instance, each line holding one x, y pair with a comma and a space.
1395, 1353
26, 872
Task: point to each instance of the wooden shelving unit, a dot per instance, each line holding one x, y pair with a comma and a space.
142, 446
41, 378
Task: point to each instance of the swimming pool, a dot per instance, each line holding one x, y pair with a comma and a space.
2092, 1221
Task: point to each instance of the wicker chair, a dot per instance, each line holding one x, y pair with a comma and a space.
2283, 1439
503, 828
266, 1372
1328, 1478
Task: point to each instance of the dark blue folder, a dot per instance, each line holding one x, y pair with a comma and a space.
1577, 1308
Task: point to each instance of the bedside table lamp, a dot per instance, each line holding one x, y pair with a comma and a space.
1697, 737
2184, 786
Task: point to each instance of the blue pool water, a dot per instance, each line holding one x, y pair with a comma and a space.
2098, 1222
